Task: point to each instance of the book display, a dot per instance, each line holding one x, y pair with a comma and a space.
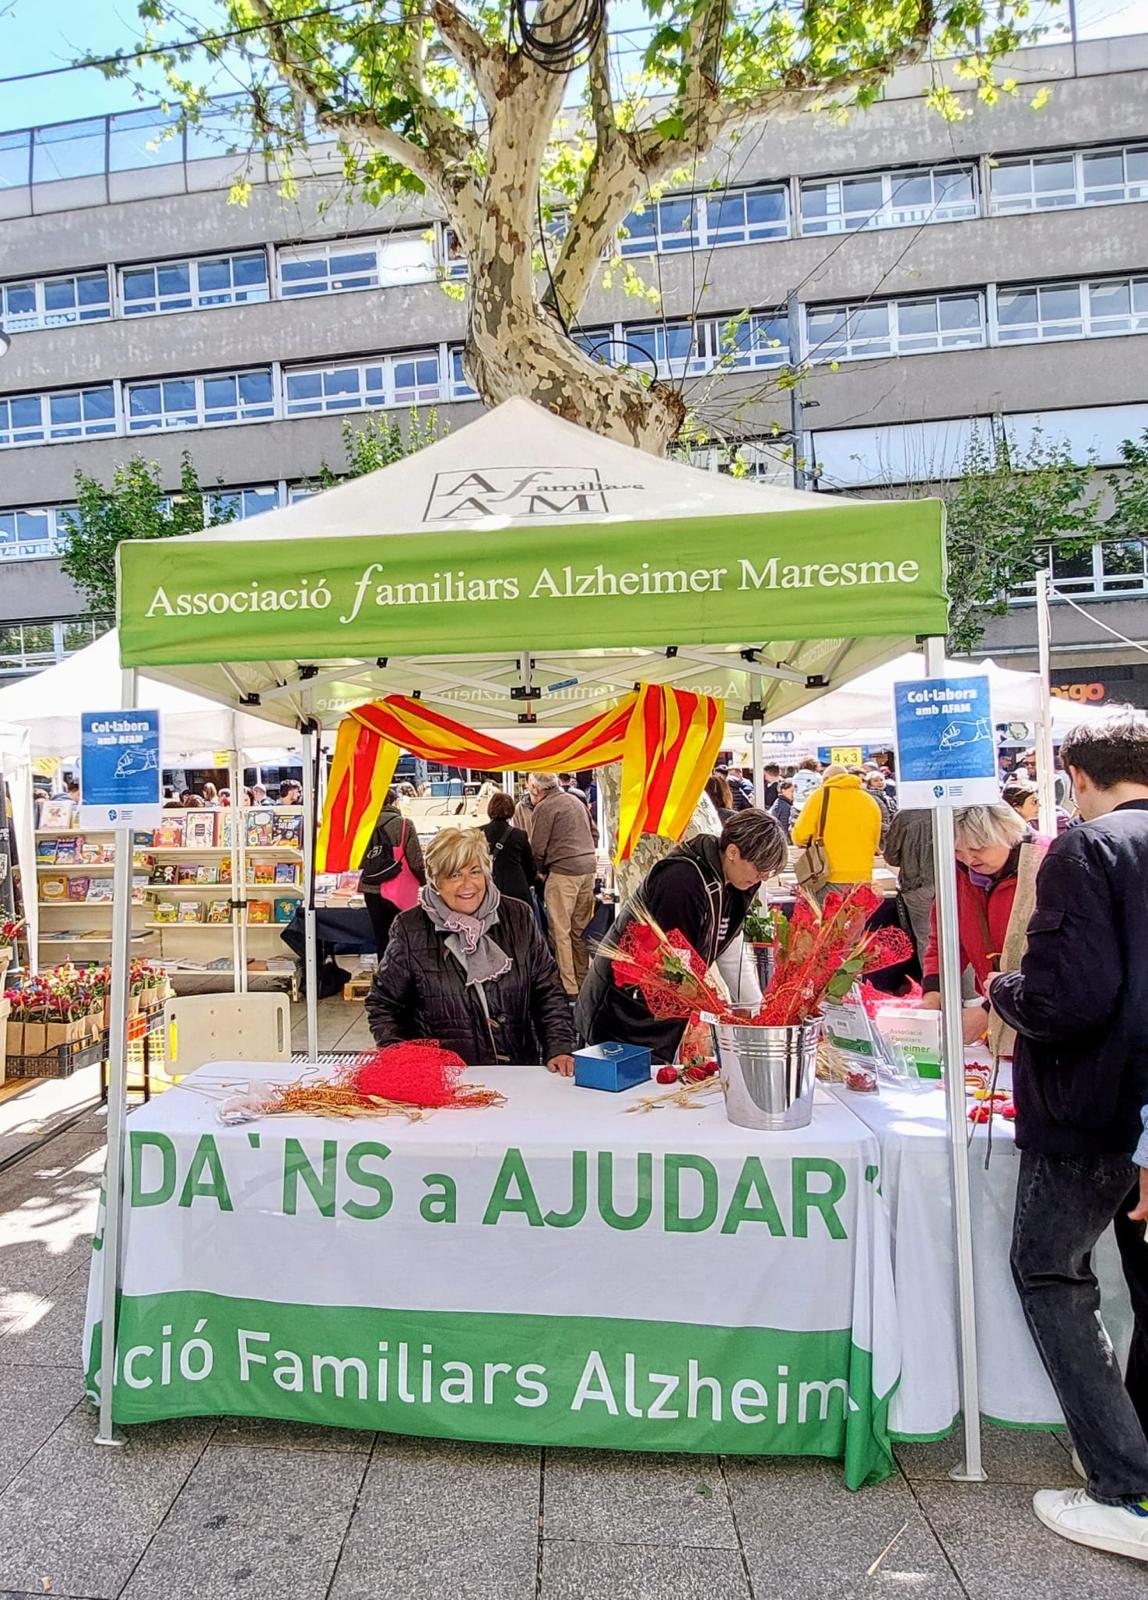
74, 869
210, 889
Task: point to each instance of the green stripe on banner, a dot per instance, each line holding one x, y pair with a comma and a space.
851, 569
596, 1382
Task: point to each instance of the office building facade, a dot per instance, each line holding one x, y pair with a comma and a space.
933, 278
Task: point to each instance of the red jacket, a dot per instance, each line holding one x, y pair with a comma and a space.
983, 918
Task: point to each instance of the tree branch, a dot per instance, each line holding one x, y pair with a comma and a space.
612, 183
442, 163
473, 53
704, 114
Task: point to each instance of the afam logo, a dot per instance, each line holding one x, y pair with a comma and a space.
518, 492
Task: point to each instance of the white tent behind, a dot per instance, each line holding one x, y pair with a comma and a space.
860, 712
16, 768
49, 704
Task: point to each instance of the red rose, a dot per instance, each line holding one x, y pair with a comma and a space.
667, 1074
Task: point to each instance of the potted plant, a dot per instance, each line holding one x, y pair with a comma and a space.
761, 934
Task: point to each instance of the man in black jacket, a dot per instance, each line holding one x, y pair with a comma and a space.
1079, 1004
703, 890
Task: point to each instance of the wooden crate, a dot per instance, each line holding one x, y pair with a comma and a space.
358, 987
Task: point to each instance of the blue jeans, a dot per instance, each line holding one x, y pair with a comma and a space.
1063, 1205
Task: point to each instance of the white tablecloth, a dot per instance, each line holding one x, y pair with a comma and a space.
555, 1270
910, 1125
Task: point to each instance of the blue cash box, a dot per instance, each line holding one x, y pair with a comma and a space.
611, 1066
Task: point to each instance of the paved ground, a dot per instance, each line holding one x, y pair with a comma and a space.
205, 1510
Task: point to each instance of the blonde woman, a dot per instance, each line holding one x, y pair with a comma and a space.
997, 859
470, 968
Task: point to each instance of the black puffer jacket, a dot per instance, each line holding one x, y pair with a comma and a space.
1079, 1002
511, 858
420, 992
686, 891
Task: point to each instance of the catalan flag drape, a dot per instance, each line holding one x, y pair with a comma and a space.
666, 739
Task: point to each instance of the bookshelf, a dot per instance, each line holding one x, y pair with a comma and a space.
211, 891
73, 875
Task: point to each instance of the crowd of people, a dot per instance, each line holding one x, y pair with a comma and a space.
287, 793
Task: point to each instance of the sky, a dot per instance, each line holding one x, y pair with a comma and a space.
38, 34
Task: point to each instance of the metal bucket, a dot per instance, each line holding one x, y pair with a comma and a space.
768, 1075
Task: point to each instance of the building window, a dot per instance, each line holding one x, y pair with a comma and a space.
398, 380
895, 327
200, 402
64, 414
31, 532
1094, 310
743, 216
54, 302
660, 227
348, 264
671, 349
28, 646
237, 505
1066, 178
690, 222
888, 199
460, 386
25, 646
599, 345
454, 261
759, 340
193, 285
1105, 571
78, 633
302, 491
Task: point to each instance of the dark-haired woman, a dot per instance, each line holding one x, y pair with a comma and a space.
512, 860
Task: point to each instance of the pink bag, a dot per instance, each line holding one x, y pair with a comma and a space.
402, 890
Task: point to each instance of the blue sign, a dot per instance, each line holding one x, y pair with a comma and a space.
946, 742
119, 769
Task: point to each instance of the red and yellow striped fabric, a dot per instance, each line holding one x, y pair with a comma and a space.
666, 739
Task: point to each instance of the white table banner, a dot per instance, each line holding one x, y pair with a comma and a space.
553, 1271
915, 1178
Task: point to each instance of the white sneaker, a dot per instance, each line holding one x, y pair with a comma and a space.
1073, 1514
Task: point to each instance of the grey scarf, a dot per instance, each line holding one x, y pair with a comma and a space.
468, 938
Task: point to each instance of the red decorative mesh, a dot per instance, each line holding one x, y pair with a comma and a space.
418, 1072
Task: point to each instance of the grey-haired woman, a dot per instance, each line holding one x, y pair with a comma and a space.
470, 968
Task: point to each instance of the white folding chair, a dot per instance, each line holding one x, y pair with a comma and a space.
225, 1027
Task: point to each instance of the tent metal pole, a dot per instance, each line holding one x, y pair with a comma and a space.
238, 821
1045, 775
117, 1108
310, 946
758, 748
969, 1469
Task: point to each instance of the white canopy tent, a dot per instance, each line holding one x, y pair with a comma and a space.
525, 572
49, 703
860, 712
16, 770
516, 468
861, 709
46, 709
